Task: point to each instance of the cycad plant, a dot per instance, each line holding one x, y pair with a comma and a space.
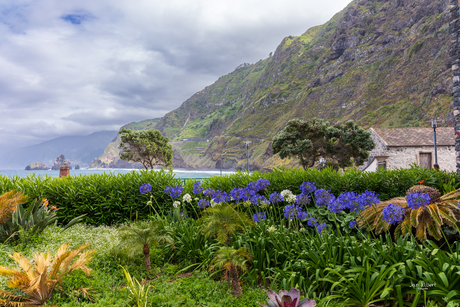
223, 220
34, 282
143, 235
417, 210
231, 259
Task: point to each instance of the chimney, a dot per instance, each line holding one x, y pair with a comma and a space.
64, 170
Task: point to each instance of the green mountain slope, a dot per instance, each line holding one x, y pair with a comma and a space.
380, 63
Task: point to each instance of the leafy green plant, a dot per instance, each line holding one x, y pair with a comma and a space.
231, 259
31, 221
138, 292
37, 280
223, 220
363, 285
143, 235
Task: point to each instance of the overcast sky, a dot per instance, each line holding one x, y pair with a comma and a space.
74, 67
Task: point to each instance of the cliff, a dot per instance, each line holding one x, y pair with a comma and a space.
381, 63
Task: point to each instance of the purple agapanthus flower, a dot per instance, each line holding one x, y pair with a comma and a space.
348, 200
321, 227
352, 224
259, 216
334, 206
237, 193
252, 186
293, 211
248, 194
368, 198
323, 197
308, 187
197, 189
203, 203
302, 199
393, 214
174, 192
145, 188
259, 200
262, 184
418, 200
312, 221
220, 196
275, 198
208, 192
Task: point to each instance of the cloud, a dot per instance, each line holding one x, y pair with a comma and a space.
75, 67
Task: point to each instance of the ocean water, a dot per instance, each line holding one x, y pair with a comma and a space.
184, 174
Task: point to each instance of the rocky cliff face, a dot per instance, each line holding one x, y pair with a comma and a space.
37, 166
380, 63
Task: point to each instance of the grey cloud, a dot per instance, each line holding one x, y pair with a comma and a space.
75, 67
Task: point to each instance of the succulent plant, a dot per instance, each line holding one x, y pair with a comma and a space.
286, 298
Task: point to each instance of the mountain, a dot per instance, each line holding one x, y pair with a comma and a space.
381, 63
78, 149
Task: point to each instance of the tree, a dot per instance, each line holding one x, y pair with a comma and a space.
143, 235
309, 140
231, 259
223, 221
148, 147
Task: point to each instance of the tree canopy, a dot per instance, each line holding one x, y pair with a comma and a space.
148, 147
340, 144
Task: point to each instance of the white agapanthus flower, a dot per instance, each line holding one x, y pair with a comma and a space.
271, 229
176, 204
187, 198
288, 196
197, 199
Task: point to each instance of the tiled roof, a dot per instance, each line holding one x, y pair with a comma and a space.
445, 136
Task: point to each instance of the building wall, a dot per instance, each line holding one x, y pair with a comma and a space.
403, 157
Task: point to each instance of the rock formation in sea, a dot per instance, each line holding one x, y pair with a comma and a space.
36, 166
59, 161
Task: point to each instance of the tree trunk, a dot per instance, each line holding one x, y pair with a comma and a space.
235, 280
146, 251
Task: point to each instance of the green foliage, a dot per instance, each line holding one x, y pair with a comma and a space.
26, 222
309, 140
142, 235
138, 292
148, 147
106, 198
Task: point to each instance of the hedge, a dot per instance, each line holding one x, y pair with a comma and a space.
115, 198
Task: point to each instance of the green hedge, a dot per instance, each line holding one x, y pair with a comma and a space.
114, 198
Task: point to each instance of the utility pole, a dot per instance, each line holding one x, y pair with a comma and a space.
247, 151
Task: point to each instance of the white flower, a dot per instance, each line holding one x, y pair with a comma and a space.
176, 204
197, 199
271, 229
213, 203
302, 229
149, 203
288, 196
285, 192
187, 198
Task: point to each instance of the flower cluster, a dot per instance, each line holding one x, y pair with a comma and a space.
293, 211
262, 184
288, 196
174, 192
259, 216
208, 192
197, 189
302, 199
418, 200
352, 224
313, 222
353, 201
203, 203
323, 197
176, 204
308, 187
393, 214
145, 188
187, 198
275, 198
220, 196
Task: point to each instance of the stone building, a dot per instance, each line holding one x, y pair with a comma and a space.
399, 148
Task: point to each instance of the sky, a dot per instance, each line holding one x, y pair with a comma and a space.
74, 67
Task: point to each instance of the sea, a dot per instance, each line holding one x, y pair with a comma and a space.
183, 174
